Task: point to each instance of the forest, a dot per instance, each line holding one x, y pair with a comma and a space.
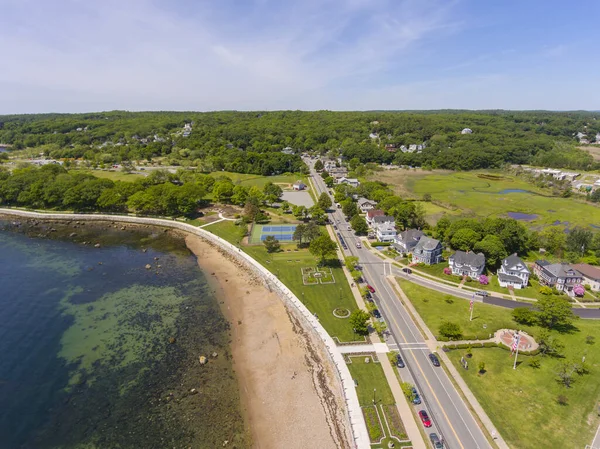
253, 142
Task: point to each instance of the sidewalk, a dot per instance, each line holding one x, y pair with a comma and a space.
471, 399
408, 418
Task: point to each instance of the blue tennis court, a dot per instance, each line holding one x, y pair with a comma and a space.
283, 233
275, 229
280, 237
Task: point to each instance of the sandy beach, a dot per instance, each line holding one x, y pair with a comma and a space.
290, 396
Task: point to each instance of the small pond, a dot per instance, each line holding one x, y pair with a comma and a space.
521, 216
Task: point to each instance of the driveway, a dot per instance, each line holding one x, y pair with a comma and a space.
301, 198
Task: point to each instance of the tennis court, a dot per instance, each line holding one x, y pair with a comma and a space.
283, 233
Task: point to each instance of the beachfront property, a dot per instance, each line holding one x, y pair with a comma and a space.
467, 264
366, 205
372, 214
299, 185
428, 251
406, 241
561, 276
513, 272
591, 275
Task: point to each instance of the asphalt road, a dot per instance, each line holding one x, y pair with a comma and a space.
451, 418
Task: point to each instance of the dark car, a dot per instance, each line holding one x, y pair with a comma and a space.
434, 360
376, 313
335, 227
435, 441
371, 289
482, 293
399, 361
425, 418
417, 399
407, 270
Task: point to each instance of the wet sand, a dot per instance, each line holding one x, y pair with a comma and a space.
290, 397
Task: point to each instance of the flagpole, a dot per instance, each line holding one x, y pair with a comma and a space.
471, 305
471, 317
517, 353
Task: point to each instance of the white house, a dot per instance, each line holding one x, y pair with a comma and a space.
288, 150
374, 136
467, 131
513, 273
467, 264
381, 219
299, 185
329, 165
350, 181
385, 232
366, 205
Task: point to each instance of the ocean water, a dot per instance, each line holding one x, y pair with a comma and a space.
97, 351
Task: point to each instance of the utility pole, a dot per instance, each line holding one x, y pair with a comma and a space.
374, 390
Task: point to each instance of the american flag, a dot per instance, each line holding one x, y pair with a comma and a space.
471, 305
515, 344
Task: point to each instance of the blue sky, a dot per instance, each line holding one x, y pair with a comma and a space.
89, 55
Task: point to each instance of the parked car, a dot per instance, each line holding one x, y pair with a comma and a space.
482, 293
407, 270
435, 441
376, 313
371, 289
399, 361
348, 228
358, 245
335, 227
417, 398
425, 418
434, 360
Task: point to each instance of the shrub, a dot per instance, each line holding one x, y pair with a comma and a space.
450, 330
524, 315
449, 300
545, 290
374, 244
484, 280
561, 399
535, 362
579, 290
490, 344
590, 339
447, 271
481, 366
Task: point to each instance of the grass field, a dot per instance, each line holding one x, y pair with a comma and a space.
260, 181
475, 196
112, 175
321, 299
522, 403
370, 376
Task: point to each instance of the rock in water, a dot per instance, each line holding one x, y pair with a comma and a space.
148, 266
203, 360
97, 245
193, 391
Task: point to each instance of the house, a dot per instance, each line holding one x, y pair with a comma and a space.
329, 165
390, 147
467, 264
513, 273
350, 181
427, 251
407, 240
467, 131
597, 137
288, 150
372, 214
374, 136
366, 205
561, 276
571, 176
299, 185
591, 275
382, 219
385, 231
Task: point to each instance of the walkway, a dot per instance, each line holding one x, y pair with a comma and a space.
380, 348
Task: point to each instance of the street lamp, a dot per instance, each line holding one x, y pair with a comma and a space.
374, 390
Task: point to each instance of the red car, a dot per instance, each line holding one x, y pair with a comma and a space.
425, 418
371, 289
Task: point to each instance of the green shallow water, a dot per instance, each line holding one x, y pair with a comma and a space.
100, 352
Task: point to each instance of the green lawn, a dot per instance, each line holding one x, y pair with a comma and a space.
112, 175
477, 196
321, 299
522, 403
370, 376
260, 181
434, 309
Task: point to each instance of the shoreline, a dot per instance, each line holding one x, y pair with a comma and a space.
290, 390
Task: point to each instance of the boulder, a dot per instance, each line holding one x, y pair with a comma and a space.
97, 245
172, 340
148, 266
73, 234
203, 360
193, 391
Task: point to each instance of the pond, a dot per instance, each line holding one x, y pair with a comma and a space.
521, 216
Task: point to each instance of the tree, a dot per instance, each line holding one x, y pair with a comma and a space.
565, 373
319, 165
481, 367
223, 191
493, 249
240, 195
329, 181
324, 201
300, 212
312, 231
285, 206
359, 224
379, 326
251, 210
323, 247
349, 208
408, 390
272, 244
465, 239
272, 192
524, 315
553, 238
351, 262
450, 330
579, 240
299, 233
441, 227
317, 215
554, 312
549, 344
358, 320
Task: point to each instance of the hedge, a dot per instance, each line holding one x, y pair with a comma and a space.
375, 244
489, 344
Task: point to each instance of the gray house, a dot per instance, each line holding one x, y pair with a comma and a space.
407, 240
427, 251
467, 264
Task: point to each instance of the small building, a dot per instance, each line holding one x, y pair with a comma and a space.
374, 136
591, 275
561, 276
372, 214
366, 205
288, 150
299, 185
407, 240
381, 219
385, 231
467, 264
391, 148
427, 251
350, 181
513, 273
467, 131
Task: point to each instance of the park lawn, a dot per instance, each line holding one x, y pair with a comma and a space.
434, 309
321, 299
482, 197
250, 180
437, 270
112, 175
370, 376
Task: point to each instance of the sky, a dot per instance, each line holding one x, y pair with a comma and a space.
202, 55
